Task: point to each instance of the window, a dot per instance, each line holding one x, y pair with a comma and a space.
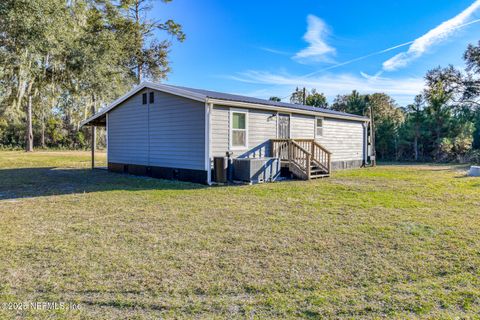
238, 132
144, 98
151, 97
318, 127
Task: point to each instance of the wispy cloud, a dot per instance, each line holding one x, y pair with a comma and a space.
318, 49
403, 89
431, 38
370, 77
275, 51
341, 64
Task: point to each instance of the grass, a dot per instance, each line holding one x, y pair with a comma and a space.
396, 241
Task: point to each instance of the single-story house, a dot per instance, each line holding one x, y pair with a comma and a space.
175, 132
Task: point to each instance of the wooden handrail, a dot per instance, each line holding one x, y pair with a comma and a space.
321, 147
325, 160
301, 154
302, 160
279, 148
300, 147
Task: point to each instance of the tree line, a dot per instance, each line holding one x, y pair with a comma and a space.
441, 124
61, 60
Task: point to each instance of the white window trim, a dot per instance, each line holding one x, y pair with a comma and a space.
232, 111
323, 127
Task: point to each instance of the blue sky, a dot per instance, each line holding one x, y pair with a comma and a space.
267, 48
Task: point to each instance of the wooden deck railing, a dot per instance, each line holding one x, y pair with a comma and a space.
279, 148
300, 160
301, 155
322, 156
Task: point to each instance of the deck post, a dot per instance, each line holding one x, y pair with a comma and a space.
309, 167
289, 152
94, 145
329, 163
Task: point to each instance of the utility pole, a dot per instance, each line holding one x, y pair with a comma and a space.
304, 96
373, 157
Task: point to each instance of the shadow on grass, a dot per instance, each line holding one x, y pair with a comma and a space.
125, 305
434, 166
39, 182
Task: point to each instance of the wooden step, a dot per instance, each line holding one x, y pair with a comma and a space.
296, 153
319, 176
317, 169
315, 166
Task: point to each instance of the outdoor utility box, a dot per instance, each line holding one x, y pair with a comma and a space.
220, 166
474, 171
256, 170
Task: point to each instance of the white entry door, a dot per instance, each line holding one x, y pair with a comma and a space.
283, 126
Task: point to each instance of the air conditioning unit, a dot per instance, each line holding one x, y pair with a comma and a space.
256, 170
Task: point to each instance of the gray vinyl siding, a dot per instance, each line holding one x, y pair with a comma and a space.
343, 138
177, 132
261, 128
220, 121
168, 133
302, 126
128, 132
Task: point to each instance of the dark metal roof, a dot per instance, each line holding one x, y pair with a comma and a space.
204, 95
239, 98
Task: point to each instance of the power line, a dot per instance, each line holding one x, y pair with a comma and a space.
381, 51
341, 64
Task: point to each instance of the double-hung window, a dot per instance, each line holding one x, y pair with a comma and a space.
238, 129
318, 127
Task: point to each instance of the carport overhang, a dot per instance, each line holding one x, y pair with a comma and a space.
101, 121
93, 123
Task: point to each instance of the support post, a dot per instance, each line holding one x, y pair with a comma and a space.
94, 132
309, 167
94, 145
289, 153
29, 144
329, 163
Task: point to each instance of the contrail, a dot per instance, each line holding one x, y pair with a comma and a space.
379, 52
373, 54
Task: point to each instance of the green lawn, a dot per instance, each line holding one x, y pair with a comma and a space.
392, 241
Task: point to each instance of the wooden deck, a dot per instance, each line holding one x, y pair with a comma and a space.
305, 158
